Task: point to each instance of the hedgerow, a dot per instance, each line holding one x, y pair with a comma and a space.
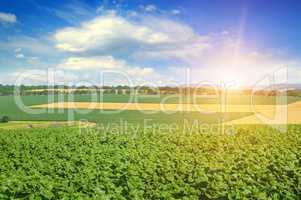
62, 163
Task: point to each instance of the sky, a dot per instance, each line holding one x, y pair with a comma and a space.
171, 42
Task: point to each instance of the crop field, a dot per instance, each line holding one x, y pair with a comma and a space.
44, 157
9, 108
150, 100
158, 107
62, 163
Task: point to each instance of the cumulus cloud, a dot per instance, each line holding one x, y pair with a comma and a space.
175, 12
132, 13
107, 32
73, 12
36, 46
104, 63
215, 57
86, 63
150, 8
113, 42
95, 65
110, 34
20, 55
40, 76
18, 50
7, 18
141, 72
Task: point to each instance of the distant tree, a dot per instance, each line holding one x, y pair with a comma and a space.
5, 119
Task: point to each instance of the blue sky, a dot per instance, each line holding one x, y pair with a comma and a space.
149, 42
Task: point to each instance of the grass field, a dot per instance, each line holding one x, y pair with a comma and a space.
9, 108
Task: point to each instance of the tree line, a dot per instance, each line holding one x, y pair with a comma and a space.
6, 90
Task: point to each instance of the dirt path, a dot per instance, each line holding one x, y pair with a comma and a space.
289, 115
154, 106
261, 113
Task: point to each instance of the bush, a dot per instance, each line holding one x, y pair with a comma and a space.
4, 119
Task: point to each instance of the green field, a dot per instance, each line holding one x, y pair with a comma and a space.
35, 124
9, 108
44, 161
256, 162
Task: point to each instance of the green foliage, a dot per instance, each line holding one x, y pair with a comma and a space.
6, 89
62, 163
4, 119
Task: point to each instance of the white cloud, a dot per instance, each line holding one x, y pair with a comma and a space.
29, 59
86, 63
100, 43
20, 55
110, 34
132, 13
104, 63
18, 50
36, 46
72, 12
175, 12
95, 65
39, 76
225, 32
32, 60
212, 57
107, 32
7, 18
100, 9
141, 72
150, 8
